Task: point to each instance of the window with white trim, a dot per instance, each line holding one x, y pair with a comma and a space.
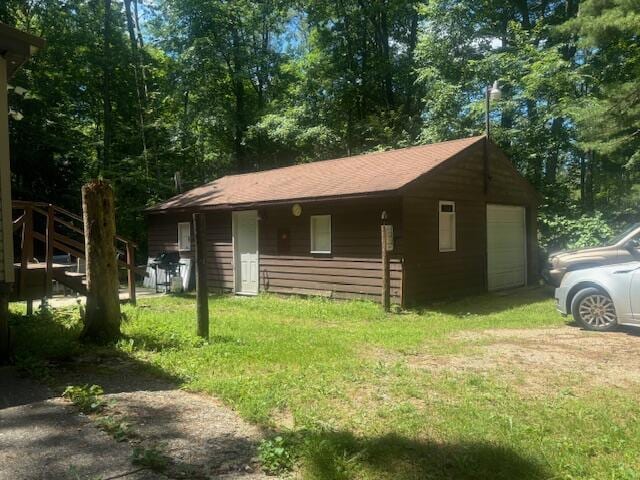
184, 236
321, 234
447, 226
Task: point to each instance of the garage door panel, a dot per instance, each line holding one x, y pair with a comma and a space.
506, 252
504, 214
505, 241
507, 259
507, 279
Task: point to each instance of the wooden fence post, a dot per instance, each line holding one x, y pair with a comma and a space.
102, 314
131, 272
202, 293
386, 303
49, 254
26, 249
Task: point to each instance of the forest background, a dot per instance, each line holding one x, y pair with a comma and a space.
136, 91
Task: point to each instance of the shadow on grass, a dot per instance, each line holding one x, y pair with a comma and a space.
340, 455
46, 348
489, 303
52, 340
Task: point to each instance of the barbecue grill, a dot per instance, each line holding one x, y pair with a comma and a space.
169, 263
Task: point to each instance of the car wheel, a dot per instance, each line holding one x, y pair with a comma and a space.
594, 310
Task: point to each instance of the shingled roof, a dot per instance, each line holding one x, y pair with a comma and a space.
360, 175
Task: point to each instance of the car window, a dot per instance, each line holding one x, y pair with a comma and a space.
619, 237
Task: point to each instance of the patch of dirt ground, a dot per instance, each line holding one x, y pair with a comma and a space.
541, 361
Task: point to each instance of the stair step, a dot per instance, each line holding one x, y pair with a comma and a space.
76, 281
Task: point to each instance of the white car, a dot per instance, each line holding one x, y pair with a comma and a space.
601, 298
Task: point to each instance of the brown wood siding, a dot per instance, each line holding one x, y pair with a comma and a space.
431, 274
352, 270
163, 236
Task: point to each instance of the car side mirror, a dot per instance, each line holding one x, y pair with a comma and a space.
632, 246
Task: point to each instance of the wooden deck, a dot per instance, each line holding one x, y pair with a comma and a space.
32, 279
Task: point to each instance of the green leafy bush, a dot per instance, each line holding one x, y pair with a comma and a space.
559, 232
275, 456
87, 398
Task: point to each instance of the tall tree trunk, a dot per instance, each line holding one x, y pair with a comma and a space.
386, 55
137, 18
238, 92
586, 181
107, 127
102, 314
537, 164
238, 137
553, 161
140, 89
383, 74
411, 103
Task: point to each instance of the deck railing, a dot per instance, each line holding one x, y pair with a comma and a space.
60, 228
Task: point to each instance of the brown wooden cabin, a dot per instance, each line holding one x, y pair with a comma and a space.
464, 221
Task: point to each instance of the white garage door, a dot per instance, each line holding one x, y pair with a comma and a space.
506, 247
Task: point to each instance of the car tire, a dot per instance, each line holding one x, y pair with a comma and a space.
594, 310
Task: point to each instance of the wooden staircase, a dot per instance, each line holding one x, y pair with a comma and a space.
51, 248
76, 281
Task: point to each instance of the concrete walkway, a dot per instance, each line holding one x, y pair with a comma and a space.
43, 437
58, 301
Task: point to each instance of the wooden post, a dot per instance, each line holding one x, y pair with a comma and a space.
5, 340
385, 263
26, 252
131, 272
102, 313
6, 252
49, 254
202, 293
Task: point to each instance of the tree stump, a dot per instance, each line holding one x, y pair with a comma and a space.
102, 314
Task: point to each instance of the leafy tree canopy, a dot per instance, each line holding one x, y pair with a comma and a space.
136, 93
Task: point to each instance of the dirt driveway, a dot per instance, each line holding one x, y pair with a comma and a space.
542, 361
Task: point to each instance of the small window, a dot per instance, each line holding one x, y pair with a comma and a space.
184, 236
321, 234
447, 226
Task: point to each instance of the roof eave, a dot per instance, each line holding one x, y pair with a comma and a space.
272, 203
17, 46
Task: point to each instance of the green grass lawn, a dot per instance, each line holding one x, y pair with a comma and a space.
337, 380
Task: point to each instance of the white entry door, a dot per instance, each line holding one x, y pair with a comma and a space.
245, 251
506, 246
